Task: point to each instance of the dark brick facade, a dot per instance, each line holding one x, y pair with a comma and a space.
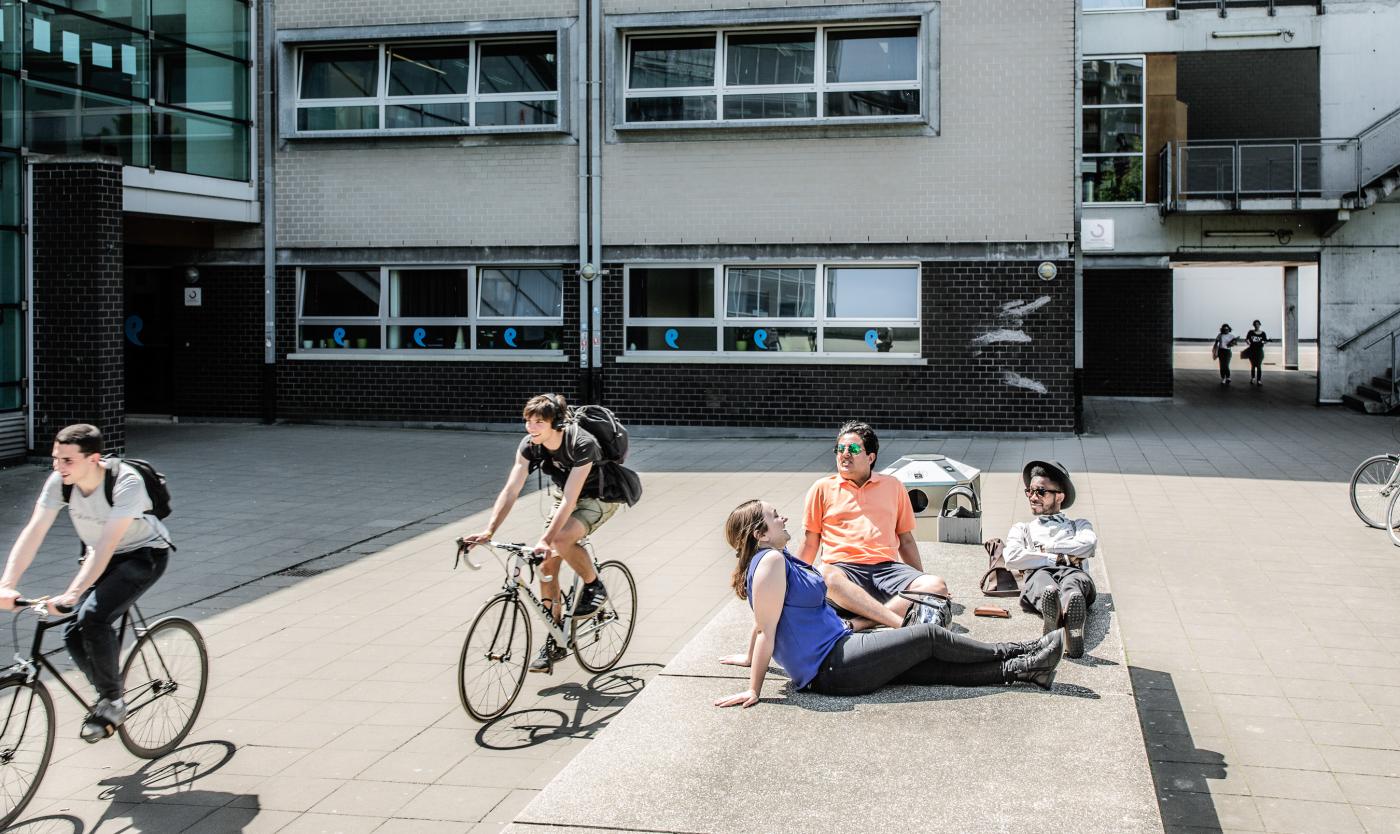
1128, 332
965, 386
1250, 94
77, 343
471, 392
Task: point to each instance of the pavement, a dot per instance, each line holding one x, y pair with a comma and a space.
1252, 606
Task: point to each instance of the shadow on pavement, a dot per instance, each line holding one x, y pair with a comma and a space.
1180, 770
595, 704
51, 824
154, 796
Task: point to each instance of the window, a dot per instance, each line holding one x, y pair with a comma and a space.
432, 86
815, 309
746, 75
1113, 121
416, 309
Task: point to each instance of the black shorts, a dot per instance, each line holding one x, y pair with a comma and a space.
883, 580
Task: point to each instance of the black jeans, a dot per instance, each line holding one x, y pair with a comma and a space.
925, 655
1224, 359
1042, 580
91, 636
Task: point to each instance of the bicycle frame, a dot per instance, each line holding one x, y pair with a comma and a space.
515, 583
30, 667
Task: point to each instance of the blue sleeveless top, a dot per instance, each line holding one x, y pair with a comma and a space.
808, 627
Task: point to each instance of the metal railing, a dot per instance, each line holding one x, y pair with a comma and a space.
1234, 170
1368, 328
1380, 147
1392, 395
1222, 6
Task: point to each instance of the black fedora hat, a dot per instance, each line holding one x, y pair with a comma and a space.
1057, 473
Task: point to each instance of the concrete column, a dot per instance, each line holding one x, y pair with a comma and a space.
1290, 318
79, 369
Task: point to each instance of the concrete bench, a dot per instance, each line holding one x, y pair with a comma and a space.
908, 759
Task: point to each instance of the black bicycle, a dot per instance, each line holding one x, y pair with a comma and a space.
497, 649
164, 679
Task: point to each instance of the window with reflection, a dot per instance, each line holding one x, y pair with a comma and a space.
743, 75
437, 85
828, 309
415, 309
1113, 123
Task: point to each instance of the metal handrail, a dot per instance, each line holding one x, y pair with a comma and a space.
1377, 323
1393, 395
1230, 172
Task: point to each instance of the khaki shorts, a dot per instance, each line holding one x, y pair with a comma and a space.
590, 512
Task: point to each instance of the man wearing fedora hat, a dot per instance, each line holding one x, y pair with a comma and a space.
1050, 550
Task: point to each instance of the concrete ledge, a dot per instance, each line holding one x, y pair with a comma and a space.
905, 758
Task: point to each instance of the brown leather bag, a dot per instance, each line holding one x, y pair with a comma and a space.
998, 581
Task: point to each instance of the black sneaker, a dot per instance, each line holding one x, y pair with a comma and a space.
1050, 611
590, 597
1076, 612
104, 719
548, 655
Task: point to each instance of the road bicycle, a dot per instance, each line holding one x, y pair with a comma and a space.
496, 652
1374, 485
164, 678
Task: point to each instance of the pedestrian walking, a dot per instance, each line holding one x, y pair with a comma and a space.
1255, 339
1220, 351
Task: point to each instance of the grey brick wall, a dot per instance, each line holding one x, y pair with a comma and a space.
305, 14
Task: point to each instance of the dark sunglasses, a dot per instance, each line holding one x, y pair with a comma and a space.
853, 448
1041, 492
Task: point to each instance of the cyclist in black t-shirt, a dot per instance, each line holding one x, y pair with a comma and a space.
568, 455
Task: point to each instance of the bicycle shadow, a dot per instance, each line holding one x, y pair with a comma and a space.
48, 824
596, 703
165, 791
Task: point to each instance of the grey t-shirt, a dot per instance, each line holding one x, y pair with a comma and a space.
90, 512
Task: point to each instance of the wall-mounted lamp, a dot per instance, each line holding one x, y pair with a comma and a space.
1283, 236
191, 275
1286, 34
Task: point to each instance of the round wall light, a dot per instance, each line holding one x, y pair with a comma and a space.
1047, 271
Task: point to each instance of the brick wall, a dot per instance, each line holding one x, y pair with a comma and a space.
966, 386
414, 390
78, 367
1128, 332
218, 346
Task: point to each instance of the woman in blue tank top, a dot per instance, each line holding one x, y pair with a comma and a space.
794, 626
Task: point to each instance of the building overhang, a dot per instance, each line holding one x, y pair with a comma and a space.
184, 195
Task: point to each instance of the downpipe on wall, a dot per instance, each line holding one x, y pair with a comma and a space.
595, 196
269, 374
581, 122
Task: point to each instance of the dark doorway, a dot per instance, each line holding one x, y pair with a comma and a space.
151, 295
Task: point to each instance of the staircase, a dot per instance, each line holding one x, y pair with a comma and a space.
1375, 397
1378, 160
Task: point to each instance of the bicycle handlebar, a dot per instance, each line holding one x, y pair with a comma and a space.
22, 603
520, 549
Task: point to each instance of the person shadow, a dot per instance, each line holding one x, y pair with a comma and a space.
1181, 771
595, 703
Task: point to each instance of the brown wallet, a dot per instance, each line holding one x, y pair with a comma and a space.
991, 611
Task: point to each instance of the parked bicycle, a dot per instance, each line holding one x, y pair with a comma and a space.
1374, 485
497, 649
164, 678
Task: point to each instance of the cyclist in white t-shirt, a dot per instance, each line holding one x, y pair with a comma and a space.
126, 552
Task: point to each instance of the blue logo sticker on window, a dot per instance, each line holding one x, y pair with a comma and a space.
760, 338
339, 336
510, 336
418, 336
871, 337
671, 336
133, 329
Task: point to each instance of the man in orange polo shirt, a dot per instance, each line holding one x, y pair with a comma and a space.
864, 525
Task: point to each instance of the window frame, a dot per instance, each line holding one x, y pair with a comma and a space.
818, 87
384, 320
1085, 156
923, 16
293, 44
722, 320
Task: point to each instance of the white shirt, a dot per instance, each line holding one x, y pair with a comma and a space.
89, 513
1035, 544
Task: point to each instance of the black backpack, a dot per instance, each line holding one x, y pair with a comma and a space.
156, 486
600, 422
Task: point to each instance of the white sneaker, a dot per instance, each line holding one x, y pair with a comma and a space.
104, 719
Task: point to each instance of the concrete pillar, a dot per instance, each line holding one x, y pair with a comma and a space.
79, 368
1290, 318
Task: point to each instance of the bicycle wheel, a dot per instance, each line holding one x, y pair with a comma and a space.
1371, 489
163, 682
1392, 516
26, 742
494, 657
599, 641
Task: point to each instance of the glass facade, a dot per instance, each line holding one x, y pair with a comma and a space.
155, 83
